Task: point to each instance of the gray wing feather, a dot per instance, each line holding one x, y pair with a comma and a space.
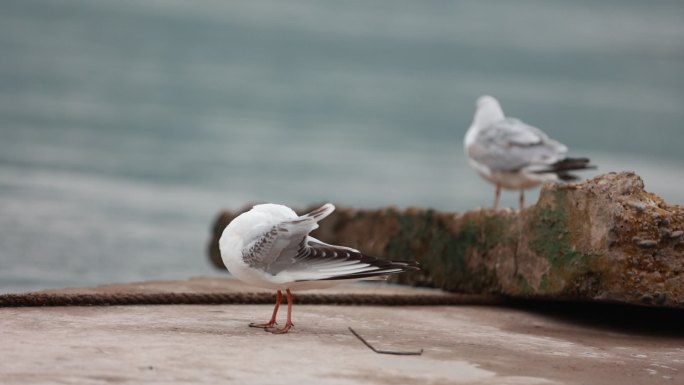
316, 260
274, 251
509, 145
311, 259
277, 249
288, 247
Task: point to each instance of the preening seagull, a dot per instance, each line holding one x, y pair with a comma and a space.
514, 155
269, 246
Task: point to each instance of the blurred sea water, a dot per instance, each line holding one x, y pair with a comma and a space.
125, 126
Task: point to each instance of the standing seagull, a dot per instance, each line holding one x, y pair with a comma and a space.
269, 246
515, 155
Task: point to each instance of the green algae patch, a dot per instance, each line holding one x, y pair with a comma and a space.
550, 238
443, 251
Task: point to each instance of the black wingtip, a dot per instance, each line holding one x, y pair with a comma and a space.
386, 268
563, 167
407, 265
570, 164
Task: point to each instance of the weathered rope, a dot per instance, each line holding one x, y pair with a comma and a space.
105, 299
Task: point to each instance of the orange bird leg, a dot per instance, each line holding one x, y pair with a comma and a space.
497, 195
272, 322
289, 323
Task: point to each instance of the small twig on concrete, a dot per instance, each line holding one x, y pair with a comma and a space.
415, 353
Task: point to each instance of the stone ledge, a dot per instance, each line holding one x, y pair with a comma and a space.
605, 239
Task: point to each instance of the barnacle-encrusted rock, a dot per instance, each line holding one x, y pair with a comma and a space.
604, 239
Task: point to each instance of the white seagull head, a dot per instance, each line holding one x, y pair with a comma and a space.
488, 111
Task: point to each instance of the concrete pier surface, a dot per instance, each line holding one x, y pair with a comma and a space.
212, 344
